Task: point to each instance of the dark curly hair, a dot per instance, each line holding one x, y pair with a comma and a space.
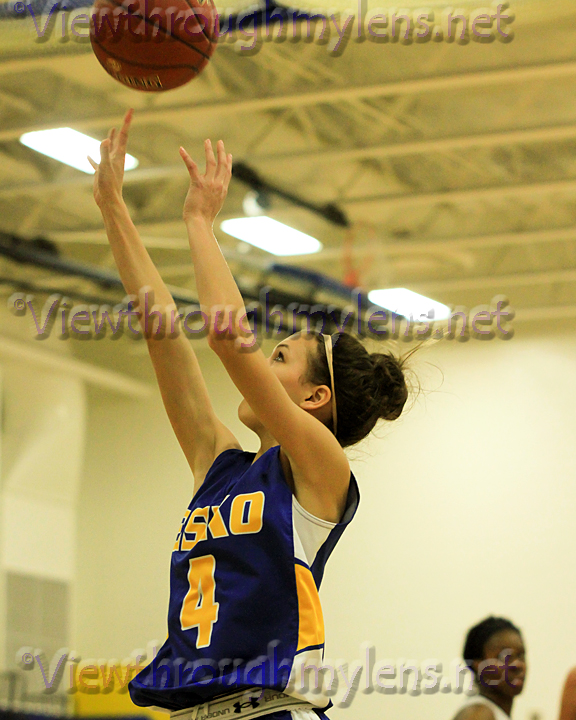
479, 635
368, 386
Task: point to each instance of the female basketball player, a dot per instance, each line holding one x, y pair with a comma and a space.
244, 610
494, 651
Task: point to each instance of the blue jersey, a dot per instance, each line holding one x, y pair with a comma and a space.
244, 605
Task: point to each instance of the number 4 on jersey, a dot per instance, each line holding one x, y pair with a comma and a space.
199, 609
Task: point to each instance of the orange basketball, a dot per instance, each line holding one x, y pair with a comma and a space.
154, 45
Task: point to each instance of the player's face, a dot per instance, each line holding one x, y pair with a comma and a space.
505, 664
289, 362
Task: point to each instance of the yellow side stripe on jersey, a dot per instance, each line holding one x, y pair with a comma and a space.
311, 621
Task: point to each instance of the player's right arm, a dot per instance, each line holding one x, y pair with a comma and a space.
201, 435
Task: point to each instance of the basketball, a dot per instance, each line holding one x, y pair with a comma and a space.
154, 46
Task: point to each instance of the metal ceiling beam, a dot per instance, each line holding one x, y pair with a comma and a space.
83, 180
538, 314
442, 83
16, 102
390, 247
386, 246
241, 172
496, 192
32, 254
425, 147
498, 282
96, 237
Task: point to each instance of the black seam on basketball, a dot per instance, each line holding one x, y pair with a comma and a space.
213, 40
145, 65
166, 34
210, 40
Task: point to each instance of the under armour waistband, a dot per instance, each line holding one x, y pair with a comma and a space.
243, 705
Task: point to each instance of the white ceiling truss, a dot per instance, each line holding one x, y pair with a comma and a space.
455, 165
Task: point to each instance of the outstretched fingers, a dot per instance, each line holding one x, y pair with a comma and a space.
223, 168
228, 170
221, 155
118, 141
219, 170
105, 151
112, 140
190, 165
210, 160
123, 136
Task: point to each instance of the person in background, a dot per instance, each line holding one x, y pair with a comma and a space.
568, 702
495, 653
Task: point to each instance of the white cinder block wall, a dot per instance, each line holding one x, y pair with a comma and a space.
43, 434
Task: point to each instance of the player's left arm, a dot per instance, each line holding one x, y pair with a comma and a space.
320, 467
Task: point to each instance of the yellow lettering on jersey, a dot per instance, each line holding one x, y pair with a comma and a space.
184, 521
199, 608
253, 522
216, 525
246, 517
196, 527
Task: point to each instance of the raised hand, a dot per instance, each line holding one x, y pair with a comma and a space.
110, 172
207, 192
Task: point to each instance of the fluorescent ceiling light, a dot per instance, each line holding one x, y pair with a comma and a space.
271, 235
70, 147
409, 304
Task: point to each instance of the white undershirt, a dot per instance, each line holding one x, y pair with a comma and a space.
310, 533
499, 714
